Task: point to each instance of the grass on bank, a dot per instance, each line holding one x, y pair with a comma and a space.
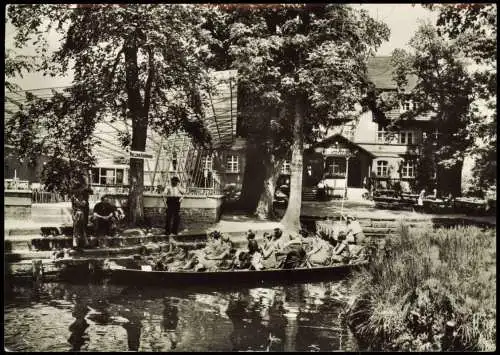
429, 290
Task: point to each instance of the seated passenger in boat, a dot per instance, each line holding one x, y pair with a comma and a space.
268, 252
354, 231
176, 259
228, 262
280, 244
161, 263
253, 246
254, 251
341, 250
194, 255
356, 239
213, 256
320, 253
293, 251
242, 260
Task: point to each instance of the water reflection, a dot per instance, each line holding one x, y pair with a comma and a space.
78, 328
112, 318
133, 327
249, 332
170, 320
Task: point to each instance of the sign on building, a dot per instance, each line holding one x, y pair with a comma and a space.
335, 151
134, 154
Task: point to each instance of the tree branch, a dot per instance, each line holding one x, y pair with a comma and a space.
115, 64
149, 82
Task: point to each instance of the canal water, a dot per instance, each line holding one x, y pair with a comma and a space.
107, 317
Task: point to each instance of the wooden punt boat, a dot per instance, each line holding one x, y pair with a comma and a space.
229, 277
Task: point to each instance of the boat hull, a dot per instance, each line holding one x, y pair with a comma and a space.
279, 276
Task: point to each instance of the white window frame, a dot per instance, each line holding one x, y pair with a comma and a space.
102, 175
404, 135
286, 168
123, 176
382, 168
232, 163
408, 169
408, 105
381, 135
208, 162
174, 167
336, 167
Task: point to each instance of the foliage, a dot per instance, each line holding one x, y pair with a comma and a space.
455, 66
15, 66
422, 283
137, 62
311, 55
474, 26
317, 51
53, 128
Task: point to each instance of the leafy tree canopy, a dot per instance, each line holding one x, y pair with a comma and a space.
318, 52
455, 66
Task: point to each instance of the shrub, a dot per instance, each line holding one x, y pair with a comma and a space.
429, 290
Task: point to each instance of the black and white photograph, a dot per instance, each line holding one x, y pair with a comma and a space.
226, 177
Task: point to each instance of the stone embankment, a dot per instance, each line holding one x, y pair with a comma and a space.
24, 242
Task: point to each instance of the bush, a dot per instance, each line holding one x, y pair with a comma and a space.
429, 290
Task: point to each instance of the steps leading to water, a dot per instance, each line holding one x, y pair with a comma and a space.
59, 213
309, 193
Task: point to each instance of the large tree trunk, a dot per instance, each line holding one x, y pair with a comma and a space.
291, 219
272, 169
139, 117
253, 177
136, 192
450, 180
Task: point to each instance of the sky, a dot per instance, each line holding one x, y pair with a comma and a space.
402, 20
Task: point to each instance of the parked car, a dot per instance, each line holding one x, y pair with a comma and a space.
231, 192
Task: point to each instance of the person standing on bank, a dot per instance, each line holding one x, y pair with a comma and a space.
174, 194
80, 191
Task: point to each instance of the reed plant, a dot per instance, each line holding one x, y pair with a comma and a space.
429, 290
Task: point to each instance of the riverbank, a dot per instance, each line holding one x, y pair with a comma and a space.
429, 290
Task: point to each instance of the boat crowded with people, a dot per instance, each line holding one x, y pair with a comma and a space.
293, 258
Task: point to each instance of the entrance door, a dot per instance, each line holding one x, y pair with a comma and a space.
354, 173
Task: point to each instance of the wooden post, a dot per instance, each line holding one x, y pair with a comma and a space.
346, 173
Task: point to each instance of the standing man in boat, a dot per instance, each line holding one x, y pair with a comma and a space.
174, 194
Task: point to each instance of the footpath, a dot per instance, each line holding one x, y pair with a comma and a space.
20, 235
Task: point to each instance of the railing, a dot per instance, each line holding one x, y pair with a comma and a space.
99, 191
383, 183
48, 197
16, 184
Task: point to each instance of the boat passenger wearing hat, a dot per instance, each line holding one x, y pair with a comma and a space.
254, 251
213, 256
354, 230
320, 253
341, 250
268, 252
174, 194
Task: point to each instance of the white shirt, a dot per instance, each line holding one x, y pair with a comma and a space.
355, 227
174, 191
